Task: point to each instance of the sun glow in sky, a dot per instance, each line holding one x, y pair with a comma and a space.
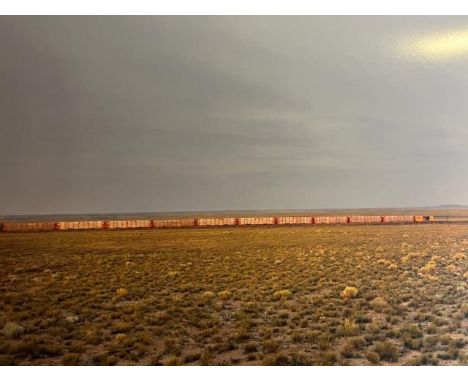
232, 113
439, 46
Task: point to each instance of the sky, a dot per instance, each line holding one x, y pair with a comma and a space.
139, 114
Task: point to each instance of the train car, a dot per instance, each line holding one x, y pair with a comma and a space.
78, 225
256, 221
162, 223
423, 219
294, 220
28, 227
338, 219
126, 224
367, 219
209, 222
330, 219
398, 219
322, 220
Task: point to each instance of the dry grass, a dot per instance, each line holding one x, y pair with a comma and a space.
121, 292
378, 304
283, 294
13, 330
349, 292
225, 295
343, 295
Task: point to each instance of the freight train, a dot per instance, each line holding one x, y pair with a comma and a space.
207, 222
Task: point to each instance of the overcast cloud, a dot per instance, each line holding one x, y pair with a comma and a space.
135, 114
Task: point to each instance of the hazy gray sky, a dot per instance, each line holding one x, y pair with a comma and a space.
127, 114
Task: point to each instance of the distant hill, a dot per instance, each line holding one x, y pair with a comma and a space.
450, 206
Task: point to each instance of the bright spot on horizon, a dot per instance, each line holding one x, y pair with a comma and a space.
438, 46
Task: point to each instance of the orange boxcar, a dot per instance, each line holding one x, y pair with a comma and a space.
294, 220
206, 222
338, 219
174, 223
28, 227
124, 224
365, 219
399, 219
330, 219
85, 224
322, 220
256, 221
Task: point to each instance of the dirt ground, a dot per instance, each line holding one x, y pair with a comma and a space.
337, 295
